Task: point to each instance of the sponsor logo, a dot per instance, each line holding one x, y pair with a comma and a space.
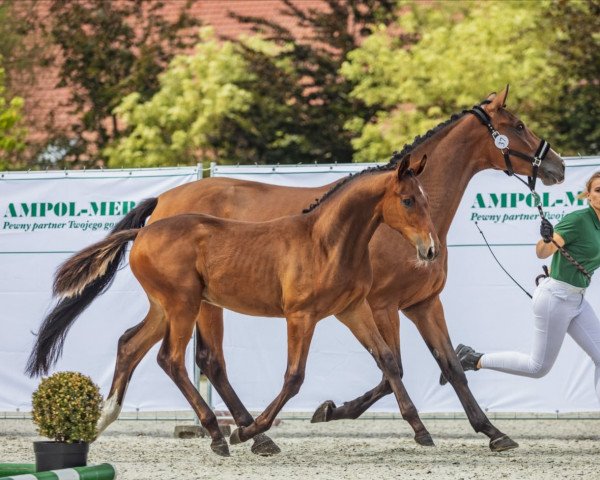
19, 217
499, 207
67, 209
518, 200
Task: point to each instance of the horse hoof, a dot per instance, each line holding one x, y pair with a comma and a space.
425, 440
264, 446
234, 439
323, 413
502, 443
220, 447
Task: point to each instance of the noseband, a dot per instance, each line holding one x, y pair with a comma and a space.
501, 142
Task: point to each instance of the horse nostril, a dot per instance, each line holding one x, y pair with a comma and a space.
431, 253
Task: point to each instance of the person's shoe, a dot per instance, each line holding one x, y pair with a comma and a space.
468, 360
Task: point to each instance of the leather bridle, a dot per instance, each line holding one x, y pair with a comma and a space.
501, 142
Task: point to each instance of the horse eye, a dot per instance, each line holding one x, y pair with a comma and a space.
407, 202
520, 127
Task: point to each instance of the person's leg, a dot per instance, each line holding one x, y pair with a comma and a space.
585, 330
552, 317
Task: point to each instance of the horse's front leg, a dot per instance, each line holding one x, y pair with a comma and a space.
359, 320
300, 330
387, 321
429, 318
210, 359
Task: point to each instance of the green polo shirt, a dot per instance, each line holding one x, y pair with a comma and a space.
581, 232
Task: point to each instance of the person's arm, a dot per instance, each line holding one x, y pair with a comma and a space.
544, 250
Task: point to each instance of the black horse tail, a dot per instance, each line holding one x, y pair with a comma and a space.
78, 281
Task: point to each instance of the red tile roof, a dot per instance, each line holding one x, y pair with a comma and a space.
45, 103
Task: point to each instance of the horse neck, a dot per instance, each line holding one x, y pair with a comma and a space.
351, 216
455, 154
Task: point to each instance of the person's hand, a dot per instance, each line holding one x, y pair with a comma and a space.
546, 230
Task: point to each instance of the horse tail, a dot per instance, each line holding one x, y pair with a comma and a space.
79, 281
99, 261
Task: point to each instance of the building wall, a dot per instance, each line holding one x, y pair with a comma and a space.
46, 103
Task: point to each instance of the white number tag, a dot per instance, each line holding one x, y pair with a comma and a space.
501, 141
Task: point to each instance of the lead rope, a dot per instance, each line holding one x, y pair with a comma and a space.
563, 250
546, 273
501, 266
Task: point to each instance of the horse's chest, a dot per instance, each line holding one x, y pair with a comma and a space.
407, 283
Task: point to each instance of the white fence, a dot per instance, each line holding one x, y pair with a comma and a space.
48, 216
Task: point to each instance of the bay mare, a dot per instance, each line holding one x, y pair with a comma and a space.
303, 267
457, 150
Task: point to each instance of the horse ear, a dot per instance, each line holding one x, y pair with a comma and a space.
498, 101
404, 164
421, 166
505, 96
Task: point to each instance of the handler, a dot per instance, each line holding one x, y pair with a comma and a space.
559, 305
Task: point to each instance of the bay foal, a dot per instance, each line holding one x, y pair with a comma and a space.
304, 268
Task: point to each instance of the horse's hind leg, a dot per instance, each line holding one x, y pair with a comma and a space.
360, 322
300, 329
388, 324
429, 318
210, 359
181, 318
133, 346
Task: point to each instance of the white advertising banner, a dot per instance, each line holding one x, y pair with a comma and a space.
45, 218
483, 308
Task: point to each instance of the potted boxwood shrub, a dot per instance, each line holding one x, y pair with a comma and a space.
65, 407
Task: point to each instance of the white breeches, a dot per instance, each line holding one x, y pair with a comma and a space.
559, 308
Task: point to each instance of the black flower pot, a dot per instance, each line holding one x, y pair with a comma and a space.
56, 455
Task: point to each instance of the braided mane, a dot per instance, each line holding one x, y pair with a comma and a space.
396, 157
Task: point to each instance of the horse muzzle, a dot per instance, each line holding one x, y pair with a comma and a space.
552, 169
428, 251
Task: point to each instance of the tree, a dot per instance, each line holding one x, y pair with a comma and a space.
198, 94
21, 51
548, 51
287, 102
577, 58
464, 51
109, 50
319, 94
12, 135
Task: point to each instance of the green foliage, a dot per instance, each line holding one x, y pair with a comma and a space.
285, 101
464, 51
17, 58
12, 135
198, 93
548, 51
319, 100
21, 49
111, 49
577, 59
356, 84
66, 407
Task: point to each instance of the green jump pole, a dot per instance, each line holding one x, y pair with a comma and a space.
104, 471
7, 469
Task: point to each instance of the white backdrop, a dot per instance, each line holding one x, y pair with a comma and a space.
483, 308
45, 218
